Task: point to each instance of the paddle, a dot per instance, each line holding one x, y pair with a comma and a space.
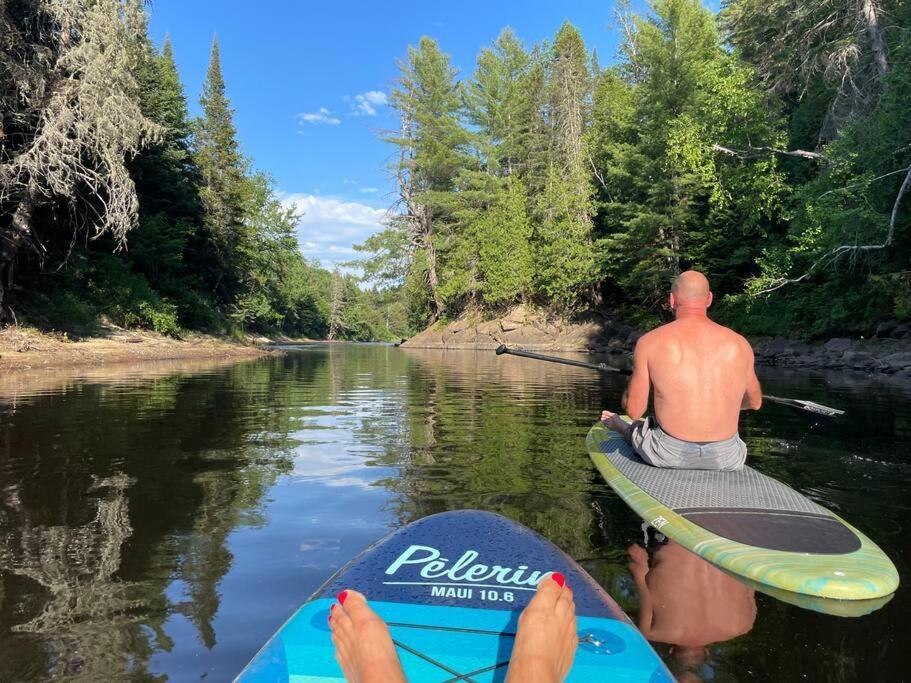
801, 404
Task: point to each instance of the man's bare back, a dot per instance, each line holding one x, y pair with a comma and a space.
702, 374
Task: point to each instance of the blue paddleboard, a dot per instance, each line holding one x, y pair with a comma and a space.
451, 588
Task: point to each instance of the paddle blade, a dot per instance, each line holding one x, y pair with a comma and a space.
819, 408
809, 406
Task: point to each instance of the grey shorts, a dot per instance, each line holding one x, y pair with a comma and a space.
658, 448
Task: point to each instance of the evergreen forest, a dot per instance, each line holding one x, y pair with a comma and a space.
768, 145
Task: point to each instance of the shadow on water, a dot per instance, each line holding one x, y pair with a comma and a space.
162, 524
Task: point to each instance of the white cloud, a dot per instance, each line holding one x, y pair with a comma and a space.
369, 190
367, 102
321, 115
329, 228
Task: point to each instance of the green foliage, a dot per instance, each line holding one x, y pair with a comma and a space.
563, 255
541, 178
849, 203
498, 104
213, 248
431, 98
837, 306
670, 200
505, 258
127, 298
63, 309
223, 185
563, 183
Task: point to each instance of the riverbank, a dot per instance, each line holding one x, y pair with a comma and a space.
25, 348
599, 332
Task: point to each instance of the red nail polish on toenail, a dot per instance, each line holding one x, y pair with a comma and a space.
342, 597
332, 607
559, 578
330, 618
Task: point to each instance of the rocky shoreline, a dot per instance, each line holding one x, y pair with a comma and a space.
885, 356
888, 353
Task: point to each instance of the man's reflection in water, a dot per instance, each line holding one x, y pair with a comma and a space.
689, 604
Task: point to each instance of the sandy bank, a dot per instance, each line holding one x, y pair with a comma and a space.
23, 349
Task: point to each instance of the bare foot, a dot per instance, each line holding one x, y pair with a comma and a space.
363, 646
546, 639
615, 422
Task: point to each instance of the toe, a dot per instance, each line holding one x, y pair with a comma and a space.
565, 599
549, 590
341, 621
355, 606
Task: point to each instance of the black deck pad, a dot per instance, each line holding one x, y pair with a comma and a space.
745, 506
787, 531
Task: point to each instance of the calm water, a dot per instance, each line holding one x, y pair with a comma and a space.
161, 523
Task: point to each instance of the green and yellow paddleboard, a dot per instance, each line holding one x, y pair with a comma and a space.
748, 524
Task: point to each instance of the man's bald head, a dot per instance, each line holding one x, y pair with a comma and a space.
691, 290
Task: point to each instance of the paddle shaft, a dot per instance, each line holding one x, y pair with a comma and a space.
808, 406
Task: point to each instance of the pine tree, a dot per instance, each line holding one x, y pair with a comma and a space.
570, 92
222, 170
430, 145
498, 105
505, 259
562, 243
165, 175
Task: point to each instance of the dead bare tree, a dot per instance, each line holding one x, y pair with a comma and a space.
757, 152
337, 306
418, 214
794, 43
87, 124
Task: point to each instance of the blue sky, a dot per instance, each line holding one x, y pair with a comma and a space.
309, 81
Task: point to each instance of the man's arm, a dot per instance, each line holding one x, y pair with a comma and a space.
639, 568
752, 397
635, 398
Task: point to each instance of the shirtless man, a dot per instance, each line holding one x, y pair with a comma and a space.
703, 377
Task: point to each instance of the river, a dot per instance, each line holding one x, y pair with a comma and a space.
160, 522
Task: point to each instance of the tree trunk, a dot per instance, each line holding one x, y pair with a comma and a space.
868, 11
432, 279
18, 235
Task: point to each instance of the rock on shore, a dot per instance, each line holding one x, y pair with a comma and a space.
533, 330
598, 332
890, 356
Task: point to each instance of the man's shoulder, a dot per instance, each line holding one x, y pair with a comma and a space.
653, 336
732, 339
733, 335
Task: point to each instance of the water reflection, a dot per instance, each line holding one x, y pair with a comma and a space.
688, 604
87, 613
161, 523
